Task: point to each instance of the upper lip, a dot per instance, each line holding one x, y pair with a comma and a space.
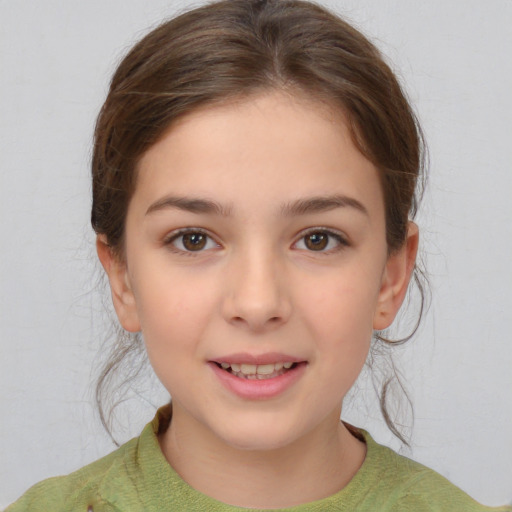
267, 358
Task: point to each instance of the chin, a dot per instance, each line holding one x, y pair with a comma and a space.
259, 435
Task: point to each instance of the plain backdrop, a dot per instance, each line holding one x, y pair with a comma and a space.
56, 58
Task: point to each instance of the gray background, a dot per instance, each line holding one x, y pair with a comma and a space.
56, 58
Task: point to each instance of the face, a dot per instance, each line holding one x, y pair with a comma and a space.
256, 267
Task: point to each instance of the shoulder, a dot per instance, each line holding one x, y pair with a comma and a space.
84, 488
401, 484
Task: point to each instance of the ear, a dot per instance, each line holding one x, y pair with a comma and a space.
122, 294
395, 279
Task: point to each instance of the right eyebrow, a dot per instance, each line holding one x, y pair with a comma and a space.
194, 205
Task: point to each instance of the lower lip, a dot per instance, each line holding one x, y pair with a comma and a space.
259, 389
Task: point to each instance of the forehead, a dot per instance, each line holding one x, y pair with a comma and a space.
268, 148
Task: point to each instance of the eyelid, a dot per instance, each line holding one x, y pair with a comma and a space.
339, 236
174, 235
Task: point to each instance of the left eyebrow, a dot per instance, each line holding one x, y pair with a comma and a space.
321, 204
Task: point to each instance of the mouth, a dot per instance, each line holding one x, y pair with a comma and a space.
257, 371
258, 377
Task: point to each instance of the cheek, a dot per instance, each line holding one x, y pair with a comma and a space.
340, 319
174, 318
342, 308
174, 310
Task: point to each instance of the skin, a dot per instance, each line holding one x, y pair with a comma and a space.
257, 287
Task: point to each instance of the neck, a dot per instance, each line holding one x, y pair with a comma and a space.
308, 469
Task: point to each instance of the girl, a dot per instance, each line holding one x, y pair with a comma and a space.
254, 170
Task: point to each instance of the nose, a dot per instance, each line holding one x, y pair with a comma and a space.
256, 294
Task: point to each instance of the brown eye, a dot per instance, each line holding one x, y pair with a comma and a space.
189, 241
194, 241
321, 241
316, 241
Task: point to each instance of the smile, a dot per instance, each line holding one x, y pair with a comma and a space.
257, 371
258, 378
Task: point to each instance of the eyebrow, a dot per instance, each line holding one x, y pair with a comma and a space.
298, 207
321, 204
190, 204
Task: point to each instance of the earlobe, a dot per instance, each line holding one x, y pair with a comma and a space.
395, 280
122, 294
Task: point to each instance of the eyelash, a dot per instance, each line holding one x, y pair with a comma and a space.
176, 235
340, 239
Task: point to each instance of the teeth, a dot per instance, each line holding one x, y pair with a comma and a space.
248, 369
265, 369
256, 371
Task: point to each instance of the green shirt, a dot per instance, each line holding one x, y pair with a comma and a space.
137, 477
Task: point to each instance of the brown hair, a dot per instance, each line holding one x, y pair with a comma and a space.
235, 48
